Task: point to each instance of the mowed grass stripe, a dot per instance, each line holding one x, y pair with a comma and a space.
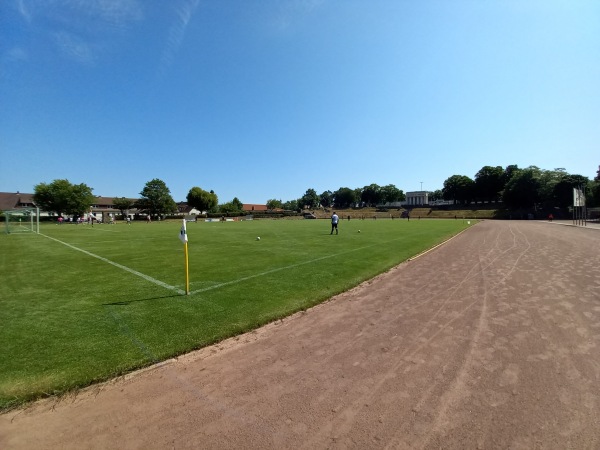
278, 269
120, 266
69, 319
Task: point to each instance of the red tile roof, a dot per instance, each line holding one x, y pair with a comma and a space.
253, 207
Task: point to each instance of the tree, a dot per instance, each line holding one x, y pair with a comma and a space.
509, 172
371, 195
309, 200
547, 180
436, 195
202, 200
274, 204
489, 183
593, 194
522, 190
291, 205
62, 197
239, 206
344, 197
122, 204
563, 190
326, 199
357, 196
156, 199
459, 189
234, 206
391, 194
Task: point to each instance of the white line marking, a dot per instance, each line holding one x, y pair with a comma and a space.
120, 266
279, 269
249, 277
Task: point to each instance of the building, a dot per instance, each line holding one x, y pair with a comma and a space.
9, 201
102, 208
250, 207
417, 198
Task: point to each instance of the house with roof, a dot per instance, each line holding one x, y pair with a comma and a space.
15, 200
251, 207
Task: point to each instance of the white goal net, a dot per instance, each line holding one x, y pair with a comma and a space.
24, 220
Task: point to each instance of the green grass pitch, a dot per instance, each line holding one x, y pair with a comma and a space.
79, 304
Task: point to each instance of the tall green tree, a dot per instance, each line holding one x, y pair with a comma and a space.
371, 195
156, 199
291, 205
62, 197
458, 189
234, 206
344, 197
489, 183
309, 200
326, 199
274, 204
563, 190
593, 194
436, 195
391, 194
122, 204
522, 190
202, 200
547, 180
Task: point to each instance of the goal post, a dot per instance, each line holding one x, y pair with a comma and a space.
24, 220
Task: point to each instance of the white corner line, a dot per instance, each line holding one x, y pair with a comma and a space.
120, 266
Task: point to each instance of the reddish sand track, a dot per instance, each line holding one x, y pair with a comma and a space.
490, 341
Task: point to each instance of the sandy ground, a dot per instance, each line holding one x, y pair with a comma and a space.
490, 341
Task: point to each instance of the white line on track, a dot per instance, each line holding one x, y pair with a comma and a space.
120, 266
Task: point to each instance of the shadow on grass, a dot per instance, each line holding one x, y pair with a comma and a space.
128, 302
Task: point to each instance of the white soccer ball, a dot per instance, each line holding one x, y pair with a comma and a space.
258, 238
359, 231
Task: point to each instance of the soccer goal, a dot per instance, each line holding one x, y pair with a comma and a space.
25, 220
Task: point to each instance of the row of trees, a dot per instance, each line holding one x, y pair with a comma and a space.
344, 197
530, 187
63, 198
516, 188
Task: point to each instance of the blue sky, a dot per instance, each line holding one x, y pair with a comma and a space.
262, 99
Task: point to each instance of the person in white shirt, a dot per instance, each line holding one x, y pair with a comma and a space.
334, 223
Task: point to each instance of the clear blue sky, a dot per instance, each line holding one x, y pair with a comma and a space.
261, 99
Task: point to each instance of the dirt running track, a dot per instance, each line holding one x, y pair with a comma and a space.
490, 341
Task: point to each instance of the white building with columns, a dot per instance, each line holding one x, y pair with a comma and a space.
417, 198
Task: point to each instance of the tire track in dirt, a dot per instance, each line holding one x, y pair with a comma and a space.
344, 419
459, 389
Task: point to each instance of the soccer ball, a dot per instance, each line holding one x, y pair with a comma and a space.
359, 231
258, 238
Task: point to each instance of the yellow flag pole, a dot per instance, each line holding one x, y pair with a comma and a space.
187, 272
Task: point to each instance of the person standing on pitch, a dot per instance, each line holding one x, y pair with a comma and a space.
334, 223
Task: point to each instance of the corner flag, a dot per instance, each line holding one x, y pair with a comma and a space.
183, 233
184, 239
